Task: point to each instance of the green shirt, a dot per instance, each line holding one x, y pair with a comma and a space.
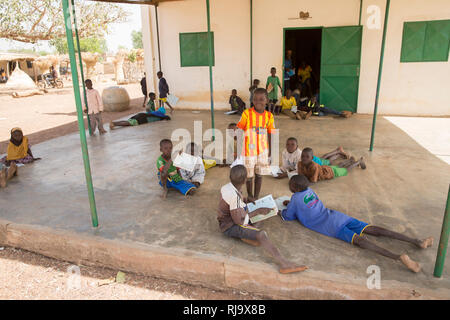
151, 105
173, 171
275, 81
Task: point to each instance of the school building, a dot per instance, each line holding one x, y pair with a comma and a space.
340, 39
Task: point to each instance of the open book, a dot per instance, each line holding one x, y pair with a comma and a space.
185, 161
265, 202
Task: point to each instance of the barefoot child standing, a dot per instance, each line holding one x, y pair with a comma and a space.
256, 126
168, 174
306, 207
233, 219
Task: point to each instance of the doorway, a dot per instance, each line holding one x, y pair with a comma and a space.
306, 46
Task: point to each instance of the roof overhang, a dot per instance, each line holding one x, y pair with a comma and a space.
147, 2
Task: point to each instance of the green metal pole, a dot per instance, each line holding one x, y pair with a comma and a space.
210, 62
360, 10
251, 43
443, 241
380, 71
81, 65
76, 91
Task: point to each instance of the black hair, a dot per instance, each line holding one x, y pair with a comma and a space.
232, 124
299, 182
254, 80
159, 72
292, 139
151, 93
261, 91
308, 150
164, 141
273, 68
233, 90
238, 174
88, 80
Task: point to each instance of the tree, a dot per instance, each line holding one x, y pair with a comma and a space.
136, 37
33, 20
86, 45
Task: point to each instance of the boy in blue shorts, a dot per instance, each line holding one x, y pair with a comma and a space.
168, 174
306, 207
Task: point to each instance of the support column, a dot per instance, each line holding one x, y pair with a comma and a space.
210, 62
380, 71
148, 42
443, 241
76, 91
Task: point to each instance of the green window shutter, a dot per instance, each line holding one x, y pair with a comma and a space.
425, 41
194, 49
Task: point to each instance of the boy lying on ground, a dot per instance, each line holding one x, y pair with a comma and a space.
306, 207
233, 219
316, 172
292, 155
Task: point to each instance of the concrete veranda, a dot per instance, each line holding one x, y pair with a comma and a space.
404, 188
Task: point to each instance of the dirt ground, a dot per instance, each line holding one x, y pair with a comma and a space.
25, 275
44, 117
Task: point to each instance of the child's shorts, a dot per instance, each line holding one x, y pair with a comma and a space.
339, 172
183, 186
257, 164
352, 228
242, 232
163, 99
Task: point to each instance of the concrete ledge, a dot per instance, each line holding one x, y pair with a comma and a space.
213, 271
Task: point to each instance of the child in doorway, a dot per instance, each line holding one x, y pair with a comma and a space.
236, 102
255, 128
169, 176
197, 176
19, 150
163, 91
94, 107
272, 85
252, 90
286, 104
292, 155
316, 172
233, 220
306, 207
7, 174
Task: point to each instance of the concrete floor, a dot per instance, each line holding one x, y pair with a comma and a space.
404, 188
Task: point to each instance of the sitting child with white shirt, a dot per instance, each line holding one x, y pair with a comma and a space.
197, 176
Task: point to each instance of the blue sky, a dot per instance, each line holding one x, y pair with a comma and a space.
120, 34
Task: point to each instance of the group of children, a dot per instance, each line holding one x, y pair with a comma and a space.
305, 206
292, 104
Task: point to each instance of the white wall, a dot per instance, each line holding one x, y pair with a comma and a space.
406, 88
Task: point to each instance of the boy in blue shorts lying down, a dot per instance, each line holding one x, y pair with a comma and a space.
306, 207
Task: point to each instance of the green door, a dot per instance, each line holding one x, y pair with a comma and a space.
339, 73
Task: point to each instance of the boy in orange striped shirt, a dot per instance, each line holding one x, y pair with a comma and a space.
256, 125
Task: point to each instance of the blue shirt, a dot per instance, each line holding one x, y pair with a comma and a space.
306, 207
317, 160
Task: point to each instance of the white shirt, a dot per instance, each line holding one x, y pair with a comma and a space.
94, 101
290, 160
234, 199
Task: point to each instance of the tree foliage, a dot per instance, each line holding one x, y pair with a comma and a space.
86, 45
136, 37
34, 20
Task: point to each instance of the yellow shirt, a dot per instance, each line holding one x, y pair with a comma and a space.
287, 103
256, 127
305, 73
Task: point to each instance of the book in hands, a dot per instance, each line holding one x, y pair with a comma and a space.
279, 201
185, 161
265, 202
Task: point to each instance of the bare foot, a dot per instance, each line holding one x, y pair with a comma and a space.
410, 264
307, 115
292, 268
3, 178
111, 125
342, 152
103, 132
164, 193
362, 164
428, 242
254, 243
12, 171
191, 192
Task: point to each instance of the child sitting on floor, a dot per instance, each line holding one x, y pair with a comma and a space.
196, 176
19, 150
151, 115
316, 172
236, 102
7, 173
306, 207
286, 104
292, 155
233, 219
168, 174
